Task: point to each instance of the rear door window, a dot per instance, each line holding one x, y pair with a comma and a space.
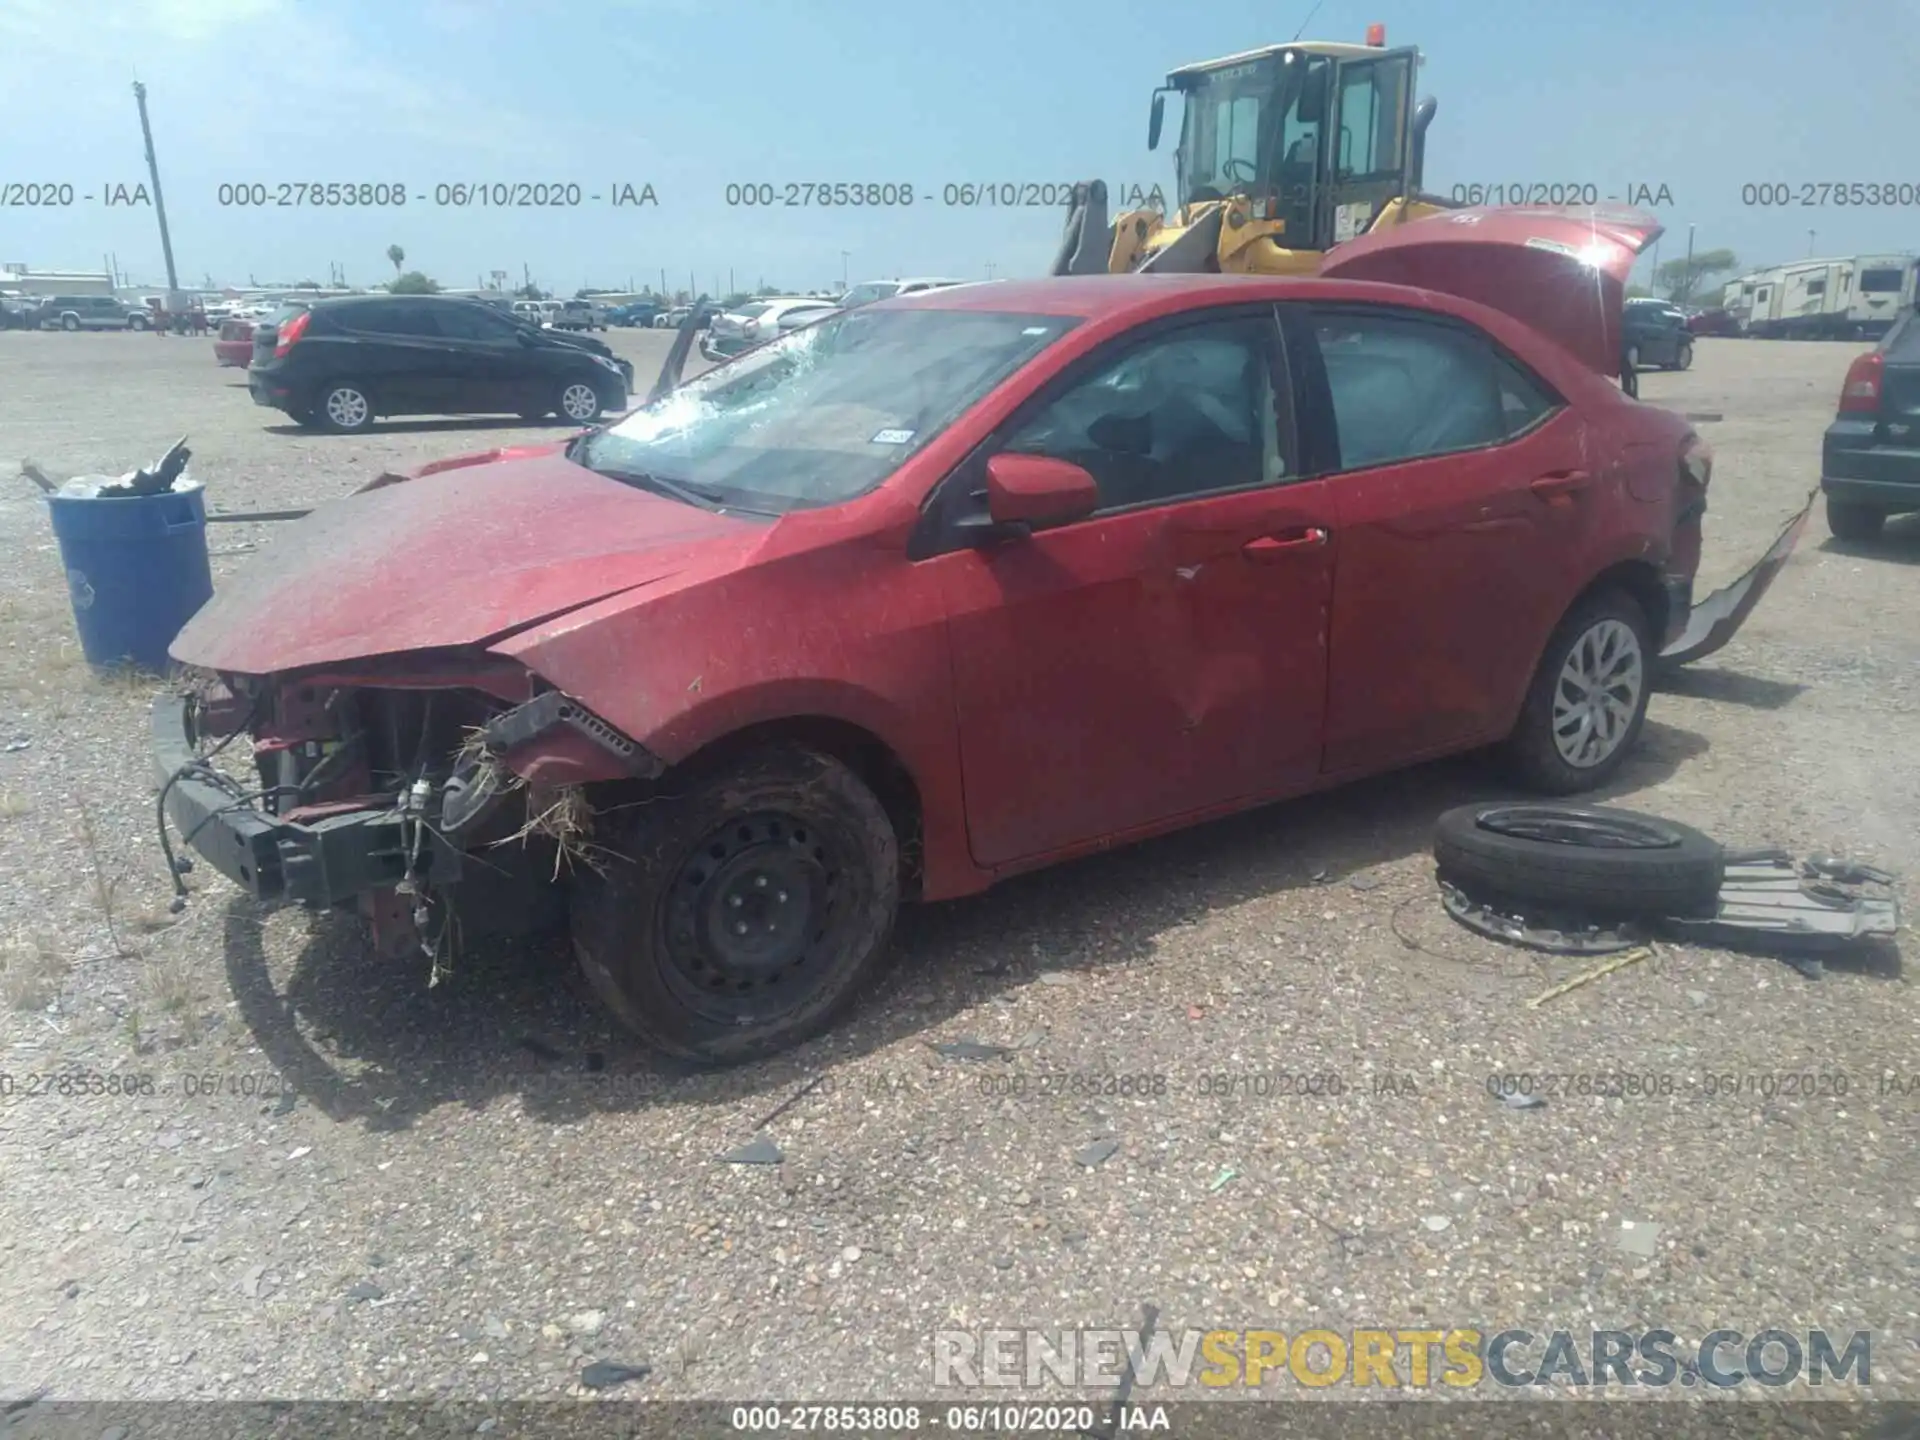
392, 320
1404, 387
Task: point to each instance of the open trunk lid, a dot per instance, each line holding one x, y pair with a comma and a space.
1560, 270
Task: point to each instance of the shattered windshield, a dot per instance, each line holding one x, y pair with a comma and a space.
823, 414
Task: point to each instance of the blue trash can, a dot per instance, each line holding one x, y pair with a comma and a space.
136, 571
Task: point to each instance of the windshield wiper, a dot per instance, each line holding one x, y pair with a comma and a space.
687, 492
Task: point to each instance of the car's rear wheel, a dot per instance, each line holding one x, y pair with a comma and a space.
740, 915
1851, 520
69, 322
1588, 700
579, 401
345, 407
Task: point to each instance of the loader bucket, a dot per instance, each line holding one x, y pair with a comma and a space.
1088, 239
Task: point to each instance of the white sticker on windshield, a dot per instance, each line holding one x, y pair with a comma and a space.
1034, 330
1536, 243
892, 437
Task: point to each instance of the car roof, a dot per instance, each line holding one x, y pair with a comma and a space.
1097, 296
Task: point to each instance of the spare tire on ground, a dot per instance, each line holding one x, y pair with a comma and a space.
1588, 859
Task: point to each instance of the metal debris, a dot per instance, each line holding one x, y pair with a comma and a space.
1524, 1102
1556, 935
1098, 1153
1587, 977
970, 1050
603, 1374
761, 1151
1638, 1237
1226, 1177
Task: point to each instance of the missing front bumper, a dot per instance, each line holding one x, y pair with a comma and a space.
321, 864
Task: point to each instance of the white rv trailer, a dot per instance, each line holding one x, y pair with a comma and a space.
1883, 285
1805, 300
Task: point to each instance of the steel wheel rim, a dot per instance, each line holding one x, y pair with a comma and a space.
747, 921
1597, 694
579, 401
347, 408
1588, 829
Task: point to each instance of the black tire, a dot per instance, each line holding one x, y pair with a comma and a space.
136, 322
69, 322
1533, 751
1852, 520
1633, 357
343, 406
1674, 871
647, 924
1683, 357
566, 405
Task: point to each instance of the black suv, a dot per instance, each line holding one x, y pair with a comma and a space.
88, 312
1655, 333
339, 363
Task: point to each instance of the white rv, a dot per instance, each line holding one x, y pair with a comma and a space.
1762, 302
1883, 285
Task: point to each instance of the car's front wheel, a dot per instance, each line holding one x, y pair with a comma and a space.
1851, 520
1683, 357
1588, 700
136, 322
579, 401
69, 322
1633, 357
734, 917
345, 407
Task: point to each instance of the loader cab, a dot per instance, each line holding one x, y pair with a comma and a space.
1317, 136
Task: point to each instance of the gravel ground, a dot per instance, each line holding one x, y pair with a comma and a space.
345, 1184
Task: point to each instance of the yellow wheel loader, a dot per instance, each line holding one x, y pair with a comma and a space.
1284, 152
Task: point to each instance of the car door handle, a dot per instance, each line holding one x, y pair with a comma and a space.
1561, 486
1267, 549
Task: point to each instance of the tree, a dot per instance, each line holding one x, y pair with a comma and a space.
397, 256
414, 283
1682, 278
532, 292
308, 285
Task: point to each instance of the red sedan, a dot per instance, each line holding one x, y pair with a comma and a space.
947, 588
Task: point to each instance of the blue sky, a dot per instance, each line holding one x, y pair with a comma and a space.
1701, 96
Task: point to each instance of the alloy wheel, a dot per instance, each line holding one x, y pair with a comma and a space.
1598, 693
347, 408
579, 402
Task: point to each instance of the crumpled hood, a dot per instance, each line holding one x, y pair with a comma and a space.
454, 559
1560, 270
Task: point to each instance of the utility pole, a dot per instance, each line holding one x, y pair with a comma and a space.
843, 268
991, 267
159, 205
1689, 270
1810, 244
730, 286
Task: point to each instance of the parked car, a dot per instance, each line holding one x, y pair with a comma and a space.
1653, 333
742, 329
871, 290
947, 588
16, 312
1870, 458
579, 315
635, 313
88, 312
800, 317
1712, 322
672, 319
342, 363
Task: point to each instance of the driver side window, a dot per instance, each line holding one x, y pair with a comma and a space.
1187, 413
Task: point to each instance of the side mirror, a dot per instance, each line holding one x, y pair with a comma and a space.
1155, 118
1026, 490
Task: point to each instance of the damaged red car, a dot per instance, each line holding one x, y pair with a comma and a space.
948, 588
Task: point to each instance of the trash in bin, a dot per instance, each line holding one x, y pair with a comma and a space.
135, 552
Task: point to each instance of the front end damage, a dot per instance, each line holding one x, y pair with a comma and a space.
389, 791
